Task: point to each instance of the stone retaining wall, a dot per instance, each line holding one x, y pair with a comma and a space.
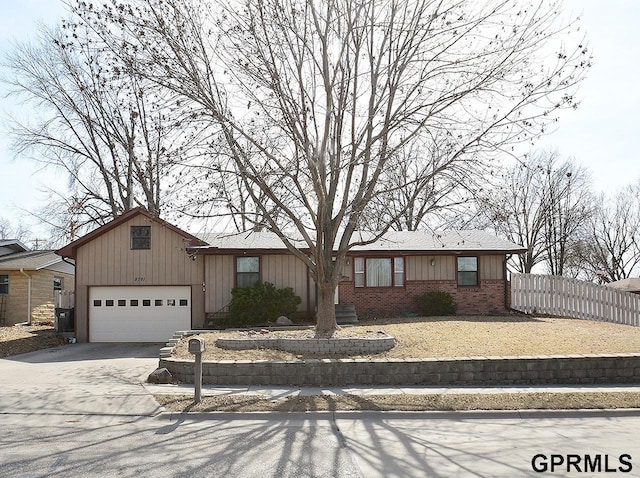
347, 345
481, 371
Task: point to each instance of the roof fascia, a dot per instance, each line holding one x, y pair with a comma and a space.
70, 249
209, 251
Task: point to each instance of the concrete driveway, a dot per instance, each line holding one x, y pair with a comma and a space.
80, 379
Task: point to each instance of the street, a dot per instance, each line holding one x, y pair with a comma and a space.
324, 444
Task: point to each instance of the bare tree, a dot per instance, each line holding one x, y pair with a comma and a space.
10, 230
314, 101
516, 209
115, 136
543, 204
612, 249
439, 187
569, 206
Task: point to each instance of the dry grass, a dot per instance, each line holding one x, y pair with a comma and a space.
20, 339
470, 336
405, 402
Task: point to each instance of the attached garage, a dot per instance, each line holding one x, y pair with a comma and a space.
136, 280
138, 313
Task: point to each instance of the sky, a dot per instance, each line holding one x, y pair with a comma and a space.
601, 135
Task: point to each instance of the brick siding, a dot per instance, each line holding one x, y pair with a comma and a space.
488, 298
42, 306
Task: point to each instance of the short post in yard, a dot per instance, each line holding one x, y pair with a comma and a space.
196, 347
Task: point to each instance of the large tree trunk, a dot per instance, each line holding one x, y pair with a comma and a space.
326, 323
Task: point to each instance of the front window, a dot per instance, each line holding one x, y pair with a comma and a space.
468, 271
247, 271
378, 271
4, 284
140, 237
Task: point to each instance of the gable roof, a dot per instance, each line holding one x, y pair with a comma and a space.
408, 242
29, 260
71, 249
11, 246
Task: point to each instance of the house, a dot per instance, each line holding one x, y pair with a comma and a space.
630, 284
139, 278
28, 282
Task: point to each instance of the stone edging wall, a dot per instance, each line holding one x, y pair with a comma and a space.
480, 371
347, 345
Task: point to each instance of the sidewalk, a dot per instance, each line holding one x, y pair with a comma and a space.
280, 393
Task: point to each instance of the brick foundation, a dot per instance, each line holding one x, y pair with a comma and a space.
488, 298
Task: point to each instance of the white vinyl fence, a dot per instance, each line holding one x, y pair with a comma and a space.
562, 296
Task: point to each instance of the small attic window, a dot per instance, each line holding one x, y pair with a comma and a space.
140, 237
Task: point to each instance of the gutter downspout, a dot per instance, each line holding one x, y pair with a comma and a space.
28, 322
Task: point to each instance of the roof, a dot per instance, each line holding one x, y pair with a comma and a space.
12, 244
29, 260
457, 242
450, 241
407, 242
70, 249
246, 241
630, 284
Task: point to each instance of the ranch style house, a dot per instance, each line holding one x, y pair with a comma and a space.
139, 278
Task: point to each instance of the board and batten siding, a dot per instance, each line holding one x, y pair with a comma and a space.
492, 267
109, 261
289, 271
444, 268
419, 268
282, 270
219, 280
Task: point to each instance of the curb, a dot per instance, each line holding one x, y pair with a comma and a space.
391, 415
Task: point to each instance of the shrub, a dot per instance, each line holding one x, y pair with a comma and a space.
260, 303
436, 302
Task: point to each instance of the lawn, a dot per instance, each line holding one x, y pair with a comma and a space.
20, 339
459, 336
467, 336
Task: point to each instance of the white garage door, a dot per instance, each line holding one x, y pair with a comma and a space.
138, 314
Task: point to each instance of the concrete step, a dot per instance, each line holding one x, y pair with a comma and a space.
346, 314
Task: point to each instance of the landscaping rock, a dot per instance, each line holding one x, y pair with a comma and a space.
160, 375
282, 320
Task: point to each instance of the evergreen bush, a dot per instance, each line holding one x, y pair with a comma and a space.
436, 302
259, 304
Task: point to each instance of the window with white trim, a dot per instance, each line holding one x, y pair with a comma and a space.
378, 271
